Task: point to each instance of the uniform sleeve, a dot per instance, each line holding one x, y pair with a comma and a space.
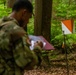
22, 53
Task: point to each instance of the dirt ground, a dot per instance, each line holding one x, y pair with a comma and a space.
58, 65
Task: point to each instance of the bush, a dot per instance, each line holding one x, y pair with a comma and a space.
70, 42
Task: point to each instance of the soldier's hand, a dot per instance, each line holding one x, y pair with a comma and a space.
38, 43
28, 41
38, 47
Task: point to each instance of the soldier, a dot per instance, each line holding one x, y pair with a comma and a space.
15, 55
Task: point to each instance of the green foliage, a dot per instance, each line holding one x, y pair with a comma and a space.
60, 9
66, 10
4, 11
70, 39
2, 1
55, 28
30, 26
57, 41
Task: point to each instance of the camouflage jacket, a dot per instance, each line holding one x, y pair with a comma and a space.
15, 54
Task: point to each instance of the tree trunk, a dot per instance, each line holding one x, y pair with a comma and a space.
43, 11
30, 0
38, 17
10, 3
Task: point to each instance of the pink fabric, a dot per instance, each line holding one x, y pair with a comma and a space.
48, 46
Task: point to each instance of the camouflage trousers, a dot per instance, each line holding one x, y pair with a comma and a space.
9, 69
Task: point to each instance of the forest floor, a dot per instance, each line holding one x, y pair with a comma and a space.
58, 65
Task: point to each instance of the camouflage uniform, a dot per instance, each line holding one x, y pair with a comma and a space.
15, 54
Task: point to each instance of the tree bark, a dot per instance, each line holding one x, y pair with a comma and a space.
30, 0
10, 3
38, 17
43, 11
